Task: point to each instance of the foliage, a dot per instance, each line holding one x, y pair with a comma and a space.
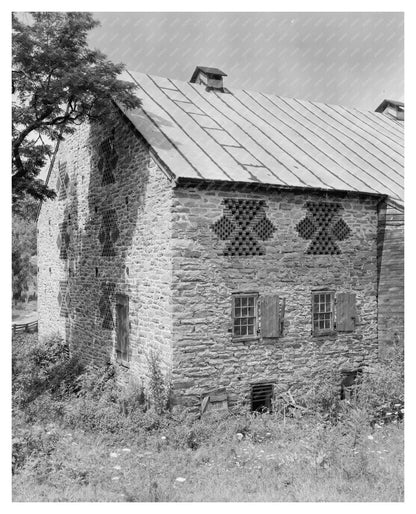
24, 268
159, 387
41, 369
93, 440
58, 82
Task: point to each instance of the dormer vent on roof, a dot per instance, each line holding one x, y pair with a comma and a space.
392, 108
211, 78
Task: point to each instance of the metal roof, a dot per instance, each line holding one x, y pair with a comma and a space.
247, 136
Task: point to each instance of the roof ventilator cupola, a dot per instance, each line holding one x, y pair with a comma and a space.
392, 109
211, 78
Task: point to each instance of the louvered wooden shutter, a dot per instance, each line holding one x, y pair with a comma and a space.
122, 309
346, 312
270, 316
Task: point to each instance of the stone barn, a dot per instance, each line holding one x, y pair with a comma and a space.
246, 240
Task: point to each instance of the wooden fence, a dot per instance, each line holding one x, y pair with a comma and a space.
25, 327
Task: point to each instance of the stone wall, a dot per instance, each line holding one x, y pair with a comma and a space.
205, 354
391, 276
115, 239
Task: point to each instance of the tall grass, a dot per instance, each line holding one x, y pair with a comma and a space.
79, 436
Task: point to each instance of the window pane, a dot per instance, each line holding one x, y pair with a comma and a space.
237, 302
237, 331
244, 311
251, 311
244, 302
250, 330
243, 331
251, 301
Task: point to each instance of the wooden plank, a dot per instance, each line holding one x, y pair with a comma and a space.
270, 316
346, 312
122, 340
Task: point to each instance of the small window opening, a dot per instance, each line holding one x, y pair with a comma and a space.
123, 329
96, 272
96, 209
245, 317
261, 397
127, 200
323, 312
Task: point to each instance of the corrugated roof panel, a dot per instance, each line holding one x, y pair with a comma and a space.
276, 165
340, 147
315, 146
247, 136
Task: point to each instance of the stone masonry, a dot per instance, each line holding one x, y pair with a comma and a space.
205, 354
121, 226
107, 234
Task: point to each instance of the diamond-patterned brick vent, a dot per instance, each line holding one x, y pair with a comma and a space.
104, 305
243, 224
63, 181
107, 161
64, 299
64, 238
324, 226
109, 232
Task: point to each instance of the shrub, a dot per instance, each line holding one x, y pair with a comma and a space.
159, 387
40, 367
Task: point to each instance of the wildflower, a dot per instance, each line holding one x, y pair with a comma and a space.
370, 437
115, 478
117, 467
163, 438
113, 455
239, 436
126, 450
181, 479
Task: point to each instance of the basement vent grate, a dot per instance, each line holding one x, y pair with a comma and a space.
261, 397
109, 233
107, 160
324, 226
243, 223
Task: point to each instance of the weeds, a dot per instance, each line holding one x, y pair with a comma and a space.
76, 430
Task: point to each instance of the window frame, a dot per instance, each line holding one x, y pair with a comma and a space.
239, 296
123, 301
316, 331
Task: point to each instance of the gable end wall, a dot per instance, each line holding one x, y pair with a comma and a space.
140, 198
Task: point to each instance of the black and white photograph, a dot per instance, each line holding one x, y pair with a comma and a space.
207, 255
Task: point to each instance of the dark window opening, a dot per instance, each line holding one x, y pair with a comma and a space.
123, 329
96, 272
261, 397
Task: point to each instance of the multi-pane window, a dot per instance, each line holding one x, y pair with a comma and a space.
245, 315
323, 312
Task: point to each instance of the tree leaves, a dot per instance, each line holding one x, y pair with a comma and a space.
58, 82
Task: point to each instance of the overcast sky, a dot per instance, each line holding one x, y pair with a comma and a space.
353, 59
